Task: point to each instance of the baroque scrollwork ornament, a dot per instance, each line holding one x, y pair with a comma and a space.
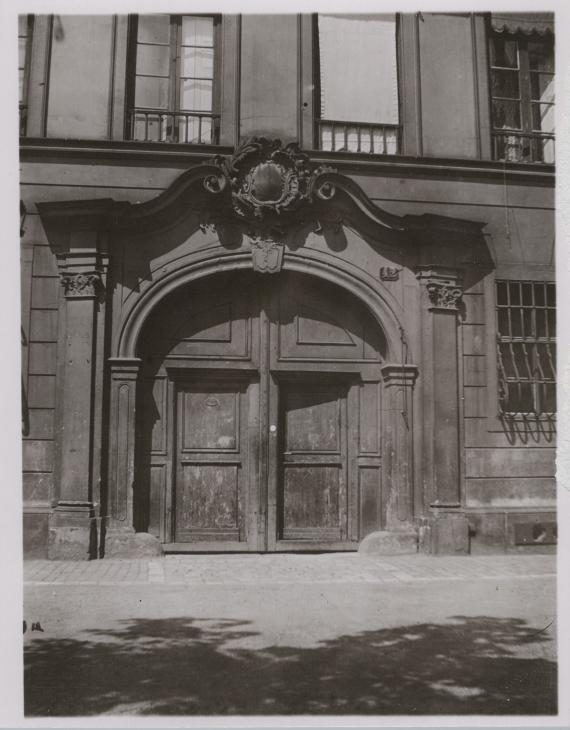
268, 188
81, 286
268, 181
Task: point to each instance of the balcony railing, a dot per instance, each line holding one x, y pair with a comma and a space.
378, 139
157, 125
512, 145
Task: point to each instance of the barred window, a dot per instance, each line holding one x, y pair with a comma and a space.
526, 342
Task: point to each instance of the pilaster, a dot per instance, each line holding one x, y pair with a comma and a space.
447, 529
397, 450
73, 533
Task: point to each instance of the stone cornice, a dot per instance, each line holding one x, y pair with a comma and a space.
175, 155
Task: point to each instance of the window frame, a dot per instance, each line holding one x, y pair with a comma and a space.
317, 119
532, 342
23, 102
174, 76
526, 132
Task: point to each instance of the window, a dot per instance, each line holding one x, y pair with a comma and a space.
174, 94
522, 96
25, 27
526, 341
358, 84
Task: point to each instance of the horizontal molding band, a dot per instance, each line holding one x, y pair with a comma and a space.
392, 165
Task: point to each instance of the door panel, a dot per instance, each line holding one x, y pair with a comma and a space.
313, 463
312, 420
211, 489
311, 499
210, 420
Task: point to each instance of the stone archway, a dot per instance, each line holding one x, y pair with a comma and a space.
376, 487
94, 239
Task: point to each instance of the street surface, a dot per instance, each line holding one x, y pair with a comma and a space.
336, 634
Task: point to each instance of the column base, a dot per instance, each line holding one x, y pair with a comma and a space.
72, 532
444, 532
124, 542
383, 542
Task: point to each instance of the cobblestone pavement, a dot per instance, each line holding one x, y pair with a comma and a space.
282, 569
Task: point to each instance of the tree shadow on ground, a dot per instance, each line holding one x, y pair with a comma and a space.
183, 666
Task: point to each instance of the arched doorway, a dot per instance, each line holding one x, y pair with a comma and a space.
259, 416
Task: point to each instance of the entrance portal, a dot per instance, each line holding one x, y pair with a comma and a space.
259, 417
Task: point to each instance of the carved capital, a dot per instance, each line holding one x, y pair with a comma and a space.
443, 296
80, 285
124, 368
399, 375
443, 288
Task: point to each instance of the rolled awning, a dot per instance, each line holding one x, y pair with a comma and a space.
527, 23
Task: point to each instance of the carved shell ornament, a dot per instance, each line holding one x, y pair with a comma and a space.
268, 180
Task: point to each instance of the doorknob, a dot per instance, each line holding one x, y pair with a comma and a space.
272, 428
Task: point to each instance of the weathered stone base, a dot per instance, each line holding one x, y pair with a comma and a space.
389, 543
126, 543
72, 532
444, 533
72, 542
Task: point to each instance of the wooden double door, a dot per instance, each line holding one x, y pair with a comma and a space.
248, 436
236, 487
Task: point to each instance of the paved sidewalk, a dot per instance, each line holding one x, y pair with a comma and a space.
283, 568
334, 634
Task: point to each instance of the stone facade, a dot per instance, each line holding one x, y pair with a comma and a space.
152, 272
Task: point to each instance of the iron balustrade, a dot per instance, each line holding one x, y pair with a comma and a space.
379, 139
157, 125
512, 145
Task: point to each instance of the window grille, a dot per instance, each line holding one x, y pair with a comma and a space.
522, 97
526, 347
175, 80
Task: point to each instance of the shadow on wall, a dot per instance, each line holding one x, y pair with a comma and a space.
529, 429
183, 666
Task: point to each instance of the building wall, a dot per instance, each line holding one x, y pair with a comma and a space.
447, 89
41, 292
268, 80
506, 475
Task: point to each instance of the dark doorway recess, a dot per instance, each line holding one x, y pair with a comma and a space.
259, 417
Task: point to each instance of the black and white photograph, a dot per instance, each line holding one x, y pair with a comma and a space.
287, 354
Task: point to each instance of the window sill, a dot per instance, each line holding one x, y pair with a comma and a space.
526, 417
